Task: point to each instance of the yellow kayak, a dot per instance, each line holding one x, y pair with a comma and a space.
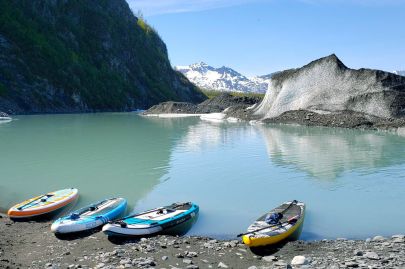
283, 223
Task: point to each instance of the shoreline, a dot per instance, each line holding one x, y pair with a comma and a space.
32, 245
235, 109
344, 119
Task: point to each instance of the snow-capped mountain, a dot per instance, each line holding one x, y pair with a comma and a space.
223, 78
401, 73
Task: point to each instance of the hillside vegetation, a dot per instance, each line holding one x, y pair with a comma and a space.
93, 55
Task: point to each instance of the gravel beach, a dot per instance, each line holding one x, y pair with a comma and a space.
32, 245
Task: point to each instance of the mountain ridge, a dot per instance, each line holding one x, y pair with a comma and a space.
223, 79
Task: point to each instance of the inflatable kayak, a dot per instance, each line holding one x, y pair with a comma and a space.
43, 204
175, 219
283, 223
90, 217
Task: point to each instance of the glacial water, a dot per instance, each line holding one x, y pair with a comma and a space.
353, 182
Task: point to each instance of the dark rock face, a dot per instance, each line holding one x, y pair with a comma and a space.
216, 104
327, 85
173, 107
83, 56
224, 101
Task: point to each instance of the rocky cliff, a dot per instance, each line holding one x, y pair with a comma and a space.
83, 56
328, 86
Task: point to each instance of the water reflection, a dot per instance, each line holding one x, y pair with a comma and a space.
102, 155
209, 135
326, 153
235, 172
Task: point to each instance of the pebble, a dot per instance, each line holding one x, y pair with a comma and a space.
191, 254
179, 255
187, 261
352, 264
269, 258
372, 255
378, 238
399, 236
280, 263
358, 252
398, 240
299, 260
222, 265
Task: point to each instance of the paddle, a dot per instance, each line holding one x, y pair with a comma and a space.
271, 226
135, 215
92, 208
147, 212
290, 221
39, 198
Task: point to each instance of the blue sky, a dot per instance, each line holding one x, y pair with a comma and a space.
257, 37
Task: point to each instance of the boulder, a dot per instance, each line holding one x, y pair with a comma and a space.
326, 85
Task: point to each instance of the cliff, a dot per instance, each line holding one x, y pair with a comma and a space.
83, 56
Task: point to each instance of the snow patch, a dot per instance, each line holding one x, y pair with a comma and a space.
256, 122
173, 115
233, 119
251, 107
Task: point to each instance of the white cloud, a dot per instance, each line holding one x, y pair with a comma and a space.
155, 7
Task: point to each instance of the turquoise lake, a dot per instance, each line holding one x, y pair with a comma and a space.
353, 182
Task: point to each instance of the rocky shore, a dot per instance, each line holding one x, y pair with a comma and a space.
218, 104
243, 109
322, 93
32, 245
343, 119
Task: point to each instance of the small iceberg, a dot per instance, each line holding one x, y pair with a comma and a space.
172, 115
213, 117
233, 119
5, 117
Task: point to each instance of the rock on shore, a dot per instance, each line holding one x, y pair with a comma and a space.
344, 119
32, 245
4, 115
215, 105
